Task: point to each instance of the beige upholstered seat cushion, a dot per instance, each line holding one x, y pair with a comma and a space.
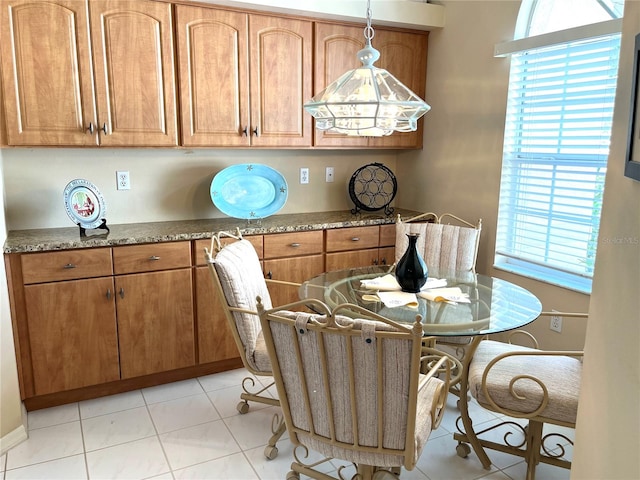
396, 365
238, 268
560, 374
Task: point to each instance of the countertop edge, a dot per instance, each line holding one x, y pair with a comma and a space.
67, 238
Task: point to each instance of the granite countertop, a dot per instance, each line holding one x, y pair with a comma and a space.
47, 239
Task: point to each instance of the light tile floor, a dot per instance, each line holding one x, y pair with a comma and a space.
191, 430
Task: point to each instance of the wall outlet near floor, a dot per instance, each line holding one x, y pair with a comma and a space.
304, 175
555, 323
123, 180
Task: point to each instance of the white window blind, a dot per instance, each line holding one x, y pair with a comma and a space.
556, 145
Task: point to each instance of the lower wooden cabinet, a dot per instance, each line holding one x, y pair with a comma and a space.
215, 340
292, 257
360, 247
73, 337
94, 321
155, 322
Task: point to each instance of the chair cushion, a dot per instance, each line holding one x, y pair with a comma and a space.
242, 280
560, 375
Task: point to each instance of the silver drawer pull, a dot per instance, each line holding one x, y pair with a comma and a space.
295, 245
355, 239
69, 265
108, 294
154, 257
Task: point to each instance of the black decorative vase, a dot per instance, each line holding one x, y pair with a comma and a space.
411, 271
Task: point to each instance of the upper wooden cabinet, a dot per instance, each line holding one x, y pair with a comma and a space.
70, 82
403, 54
103, 73
46, 72
243, 78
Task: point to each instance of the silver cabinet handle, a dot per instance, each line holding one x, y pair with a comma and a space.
121, 292
255, 131
90, 127
154, 257
295, 245
69, 266
355, 239
104, 129
108, 294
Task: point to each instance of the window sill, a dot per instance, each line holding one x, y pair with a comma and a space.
570, 282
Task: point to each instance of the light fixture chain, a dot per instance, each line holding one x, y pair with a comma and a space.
368, 31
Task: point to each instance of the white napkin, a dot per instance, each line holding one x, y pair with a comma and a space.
389, 283
449, 295
398, 299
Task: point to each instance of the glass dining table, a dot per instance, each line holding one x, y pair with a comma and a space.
494, 305
491, 305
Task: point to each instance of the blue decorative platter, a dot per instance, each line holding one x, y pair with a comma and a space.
249, 191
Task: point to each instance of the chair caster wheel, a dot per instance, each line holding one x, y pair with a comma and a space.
293, 476
463, 450
271, 452
242, 407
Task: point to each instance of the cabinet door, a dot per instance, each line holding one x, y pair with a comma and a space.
72, 334
280, 79
335, 48
134, 72
293, 269
46, 72
214, 83
155, 322
215, 340
404, 55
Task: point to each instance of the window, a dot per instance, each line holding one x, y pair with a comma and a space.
557, 132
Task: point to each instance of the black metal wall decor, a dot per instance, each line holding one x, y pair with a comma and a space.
373, 187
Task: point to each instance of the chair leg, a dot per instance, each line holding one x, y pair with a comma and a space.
533, 445
271, 450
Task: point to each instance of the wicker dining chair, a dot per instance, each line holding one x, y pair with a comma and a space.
238, 278
446, 249
535, 386
351, 389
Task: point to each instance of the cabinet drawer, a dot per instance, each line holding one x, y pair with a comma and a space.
66, 265
353, 238
199, 246
156, 256
292, 244
388, 235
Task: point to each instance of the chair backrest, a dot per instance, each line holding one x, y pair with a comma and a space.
349, 388
444, 247
237, 273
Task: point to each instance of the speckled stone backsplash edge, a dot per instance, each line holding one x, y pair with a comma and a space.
67, 238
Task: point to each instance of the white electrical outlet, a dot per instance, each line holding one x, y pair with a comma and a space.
329, 174
555, 323
123, 180
304, 175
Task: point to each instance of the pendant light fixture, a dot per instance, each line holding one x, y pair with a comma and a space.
367, 101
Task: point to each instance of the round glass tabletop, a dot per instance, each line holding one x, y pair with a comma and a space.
494, 306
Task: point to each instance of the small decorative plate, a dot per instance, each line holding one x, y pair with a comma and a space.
373, 187
84, 203
249, 191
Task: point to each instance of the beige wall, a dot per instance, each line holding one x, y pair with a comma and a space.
608, 431
165, 184
12, 429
